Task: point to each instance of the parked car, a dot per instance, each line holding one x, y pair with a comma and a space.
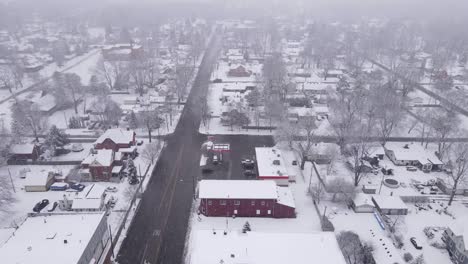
215, 159
248, 164
415, 243
40, 205
411, 168
77, 147
59, 186
133, 180
250, 173
77, 187
111, 189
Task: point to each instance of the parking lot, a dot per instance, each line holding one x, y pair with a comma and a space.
242, 147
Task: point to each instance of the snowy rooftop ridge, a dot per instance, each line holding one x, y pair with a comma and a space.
117, 135
404, 151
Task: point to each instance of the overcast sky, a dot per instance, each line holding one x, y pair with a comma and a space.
447, 9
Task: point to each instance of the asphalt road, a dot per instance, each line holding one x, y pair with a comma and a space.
159, 229
157, 233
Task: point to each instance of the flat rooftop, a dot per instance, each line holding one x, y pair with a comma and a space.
267, 159
256, 247
40, 239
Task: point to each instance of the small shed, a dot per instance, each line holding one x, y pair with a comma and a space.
38, 182
362, 203
390, 205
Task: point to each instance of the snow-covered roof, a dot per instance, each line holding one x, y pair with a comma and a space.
22, 149
37, 236
285, 196
389, 202
412, 151
460, 228
117, 135
237, 189
102, 157
93, 191
80, 204
36, 178
46, 103
362, 199
265, 158
264, 247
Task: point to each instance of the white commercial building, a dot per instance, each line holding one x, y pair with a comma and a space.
58, 239
271, 166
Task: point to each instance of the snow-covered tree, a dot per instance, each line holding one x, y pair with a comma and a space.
55, 139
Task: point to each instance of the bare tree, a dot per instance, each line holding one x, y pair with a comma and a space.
341, 189
114, 73
357, 152
27, 118
151, 151
444, 124
108, 110
151, 120
182, 80
353, 250
317, 192
306, 127
458, 161
6, 79
286, 132
388, 112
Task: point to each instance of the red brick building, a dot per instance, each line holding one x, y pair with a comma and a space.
245, 198
98, 165
115, 139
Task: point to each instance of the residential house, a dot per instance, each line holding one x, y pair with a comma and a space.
23, 152
389, 205
245, 198
239, 71
98, 165
362, 203
456, 239
411, 154
116, 139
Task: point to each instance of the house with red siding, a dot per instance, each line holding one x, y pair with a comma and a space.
116, 139
271, 166
245, 198
23, 152
98, 165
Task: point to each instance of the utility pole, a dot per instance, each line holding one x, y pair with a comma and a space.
11, 179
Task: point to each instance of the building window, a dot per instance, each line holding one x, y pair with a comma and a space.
222, 202
237, 202
252, 203
263, 203
269, 211
258, 212
209, 202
